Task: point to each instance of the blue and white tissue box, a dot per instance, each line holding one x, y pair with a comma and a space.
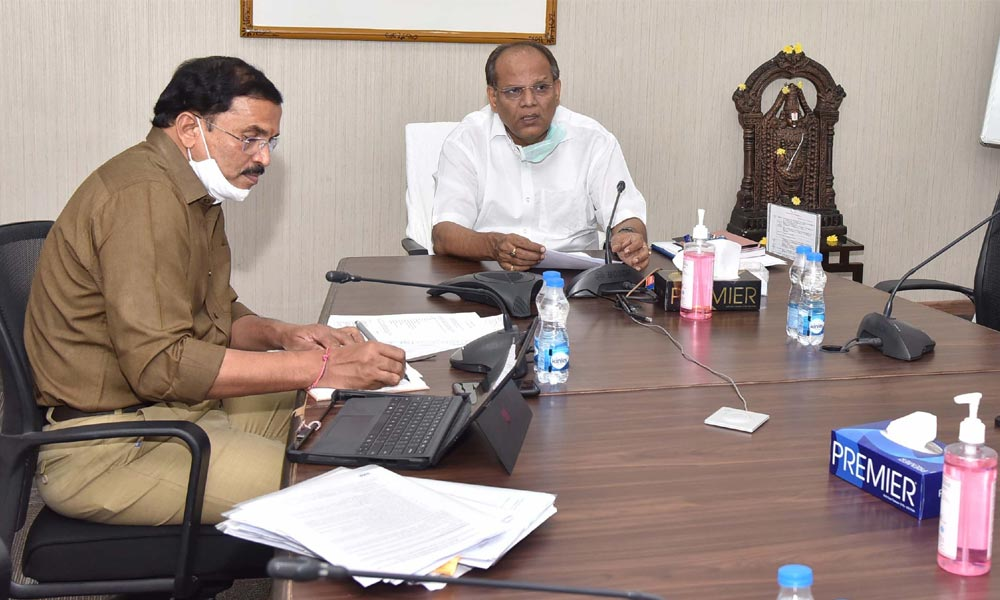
908, 479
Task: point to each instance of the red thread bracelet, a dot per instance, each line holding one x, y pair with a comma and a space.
322, 372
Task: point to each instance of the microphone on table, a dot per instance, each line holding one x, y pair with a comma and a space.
895, 338
611, 277
304, 568
478, 356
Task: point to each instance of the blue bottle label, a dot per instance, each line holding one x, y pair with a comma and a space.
559, 360
792, 318
812, 320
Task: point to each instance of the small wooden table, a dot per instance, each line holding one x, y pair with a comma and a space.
842, 252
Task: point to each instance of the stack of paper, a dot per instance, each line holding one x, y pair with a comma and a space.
372, 519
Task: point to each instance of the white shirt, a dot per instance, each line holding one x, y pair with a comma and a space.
560, 203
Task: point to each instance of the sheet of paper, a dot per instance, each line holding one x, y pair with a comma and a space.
420, 334
788, 228
568, 260
522, 511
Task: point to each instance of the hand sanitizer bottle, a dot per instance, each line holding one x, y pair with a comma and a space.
968, 491
697, 274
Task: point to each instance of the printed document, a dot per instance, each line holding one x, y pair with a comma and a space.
370, 518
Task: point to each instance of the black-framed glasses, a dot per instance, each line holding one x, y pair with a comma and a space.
539, 90
251, 145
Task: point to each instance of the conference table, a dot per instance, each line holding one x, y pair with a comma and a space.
652, 499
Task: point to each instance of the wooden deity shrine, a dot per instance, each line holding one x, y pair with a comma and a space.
787, 151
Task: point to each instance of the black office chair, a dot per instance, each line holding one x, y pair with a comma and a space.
985, 294
70, 557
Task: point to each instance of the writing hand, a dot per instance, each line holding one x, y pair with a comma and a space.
364, 366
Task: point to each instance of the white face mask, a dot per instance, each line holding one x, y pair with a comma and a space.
539, 151
211, 176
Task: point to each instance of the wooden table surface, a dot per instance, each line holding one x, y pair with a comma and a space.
611, 353
652, 499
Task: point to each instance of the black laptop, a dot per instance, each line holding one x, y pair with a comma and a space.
415, 431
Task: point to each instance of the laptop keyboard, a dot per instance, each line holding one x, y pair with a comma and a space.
406, 426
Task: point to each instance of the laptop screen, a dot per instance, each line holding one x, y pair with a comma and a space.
502, 369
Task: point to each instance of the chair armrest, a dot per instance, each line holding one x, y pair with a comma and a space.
412, 247
190, 434
926, 284
4, 572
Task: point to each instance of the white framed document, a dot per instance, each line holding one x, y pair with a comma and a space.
990, 134
788, 228
475, 21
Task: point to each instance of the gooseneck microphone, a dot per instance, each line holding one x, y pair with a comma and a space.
895, 338
607, 230
478, 356
303, 568
609, 278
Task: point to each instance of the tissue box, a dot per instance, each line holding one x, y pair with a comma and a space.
905, 478
739, 294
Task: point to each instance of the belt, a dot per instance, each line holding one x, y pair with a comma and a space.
65, 413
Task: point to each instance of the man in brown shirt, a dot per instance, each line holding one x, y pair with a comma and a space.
132, 316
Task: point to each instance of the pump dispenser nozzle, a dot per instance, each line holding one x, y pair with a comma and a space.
700, 231
972, 430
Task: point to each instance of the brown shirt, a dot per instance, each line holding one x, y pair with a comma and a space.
131, 300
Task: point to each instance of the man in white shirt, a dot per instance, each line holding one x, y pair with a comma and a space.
525, 174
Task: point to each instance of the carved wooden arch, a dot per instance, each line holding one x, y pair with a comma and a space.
749, 216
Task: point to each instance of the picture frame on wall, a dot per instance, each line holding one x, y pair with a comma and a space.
469, 21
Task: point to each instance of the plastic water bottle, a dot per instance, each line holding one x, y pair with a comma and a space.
795, 292
796, 582
539, 298
812, 306
552, 340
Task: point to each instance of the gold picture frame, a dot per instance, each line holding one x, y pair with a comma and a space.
467, 21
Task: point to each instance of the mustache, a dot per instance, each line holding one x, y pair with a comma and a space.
254, 170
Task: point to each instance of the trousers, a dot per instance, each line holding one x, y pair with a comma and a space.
143, 481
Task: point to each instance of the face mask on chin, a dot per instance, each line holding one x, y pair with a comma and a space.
539, 151
211, 176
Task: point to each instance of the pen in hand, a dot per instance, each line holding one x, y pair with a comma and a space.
371, 338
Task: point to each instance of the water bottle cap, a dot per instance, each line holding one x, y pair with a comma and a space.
795, 576
547, 274
814, 256
803, 249
556, 282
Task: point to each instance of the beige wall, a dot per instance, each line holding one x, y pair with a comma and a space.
80, 78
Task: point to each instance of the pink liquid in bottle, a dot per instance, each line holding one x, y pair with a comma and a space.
968, 492
696, 281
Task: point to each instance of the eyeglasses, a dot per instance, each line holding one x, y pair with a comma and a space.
251, 145
539, 90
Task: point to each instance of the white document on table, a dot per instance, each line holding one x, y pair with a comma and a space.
420, 334
521, 511
367, 518
568, 260
788, 228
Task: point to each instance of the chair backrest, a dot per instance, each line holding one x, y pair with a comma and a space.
987, 283
423, 149
20, 245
